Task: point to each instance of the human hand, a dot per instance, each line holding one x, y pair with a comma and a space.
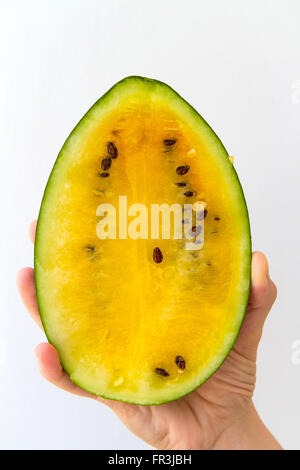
218, 415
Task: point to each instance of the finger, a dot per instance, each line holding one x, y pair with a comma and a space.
261, 284
48, 360
32, 230
26, 286
51, 369
262, 296
263, 291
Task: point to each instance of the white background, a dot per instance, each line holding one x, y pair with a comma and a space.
238, 63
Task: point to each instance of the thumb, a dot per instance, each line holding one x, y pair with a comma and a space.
262, 296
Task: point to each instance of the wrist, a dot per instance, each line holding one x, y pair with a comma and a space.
248, 433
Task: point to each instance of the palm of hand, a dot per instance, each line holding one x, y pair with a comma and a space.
204, 418
201, 419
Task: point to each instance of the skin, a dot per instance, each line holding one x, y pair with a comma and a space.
218, 415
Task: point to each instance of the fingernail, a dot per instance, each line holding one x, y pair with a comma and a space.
260, 275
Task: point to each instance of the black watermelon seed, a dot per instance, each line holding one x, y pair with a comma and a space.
180, 362
203, 214
106, 163
169, 142
112, 150
189, 193
182, 170
196, 230
217, 218
90, 249
181, 184
103, 175
157, 255
161, 372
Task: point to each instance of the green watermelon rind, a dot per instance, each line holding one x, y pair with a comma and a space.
244, 219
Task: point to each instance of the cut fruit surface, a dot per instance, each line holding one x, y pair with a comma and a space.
141, 320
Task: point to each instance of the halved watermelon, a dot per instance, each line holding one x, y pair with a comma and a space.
141, 320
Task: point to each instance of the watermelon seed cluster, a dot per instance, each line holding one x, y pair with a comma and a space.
179, 361
106, 162
181, 171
